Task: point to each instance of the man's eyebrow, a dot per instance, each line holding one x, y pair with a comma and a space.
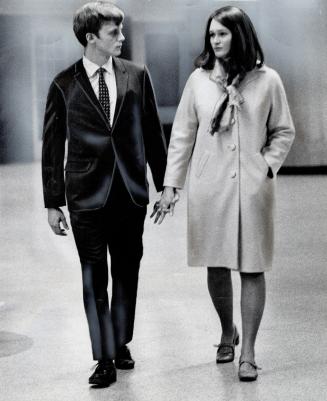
114, 29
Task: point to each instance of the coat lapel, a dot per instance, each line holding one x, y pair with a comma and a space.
84, 82
121, 82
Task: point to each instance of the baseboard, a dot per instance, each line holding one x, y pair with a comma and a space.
303, 170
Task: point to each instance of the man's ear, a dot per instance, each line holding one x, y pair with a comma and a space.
90, 37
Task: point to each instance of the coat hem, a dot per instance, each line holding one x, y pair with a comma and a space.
237, 269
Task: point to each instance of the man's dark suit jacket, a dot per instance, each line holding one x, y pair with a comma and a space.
73, 112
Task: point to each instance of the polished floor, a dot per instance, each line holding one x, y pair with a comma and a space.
44, 345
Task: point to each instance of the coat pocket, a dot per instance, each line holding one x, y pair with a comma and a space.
202, 163
77, 166
265, 165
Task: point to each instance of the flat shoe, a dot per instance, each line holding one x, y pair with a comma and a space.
248, 371
226, 351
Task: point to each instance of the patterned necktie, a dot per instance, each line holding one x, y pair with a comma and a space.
104, 98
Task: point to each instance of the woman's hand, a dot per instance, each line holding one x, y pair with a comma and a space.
165, 205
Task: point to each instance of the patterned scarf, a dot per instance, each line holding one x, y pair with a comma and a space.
231, 100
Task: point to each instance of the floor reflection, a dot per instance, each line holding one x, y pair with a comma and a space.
13, 343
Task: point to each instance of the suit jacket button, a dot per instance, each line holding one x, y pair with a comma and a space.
233, 175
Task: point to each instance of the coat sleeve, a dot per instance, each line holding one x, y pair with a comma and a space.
53, 149
154, 139
182, 139
280, 127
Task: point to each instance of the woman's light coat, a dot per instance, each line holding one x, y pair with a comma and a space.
231, 199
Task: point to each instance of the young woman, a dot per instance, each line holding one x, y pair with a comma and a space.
233, 130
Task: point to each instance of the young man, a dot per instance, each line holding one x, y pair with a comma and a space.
105, 108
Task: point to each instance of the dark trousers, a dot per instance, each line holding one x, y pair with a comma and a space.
117, 227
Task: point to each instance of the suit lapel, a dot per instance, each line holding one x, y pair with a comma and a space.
121, 82
84, 82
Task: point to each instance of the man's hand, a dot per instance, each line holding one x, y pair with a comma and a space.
55, 218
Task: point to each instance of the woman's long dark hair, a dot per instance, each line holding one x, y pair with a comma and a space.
245, 53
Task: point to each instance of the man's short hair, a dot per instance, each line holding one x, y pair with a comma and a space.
90, 18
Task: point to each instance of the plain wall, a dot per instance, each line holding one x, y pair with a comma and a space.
37, 41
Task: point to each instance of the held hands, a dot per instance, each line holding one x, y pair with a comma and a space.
165, 205
55, 218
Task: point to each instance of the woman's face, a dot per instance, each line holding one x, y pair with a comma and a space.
220, 39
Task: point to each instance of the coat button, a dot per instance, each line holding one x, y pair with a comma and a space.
232, 121
233, 174
232, 147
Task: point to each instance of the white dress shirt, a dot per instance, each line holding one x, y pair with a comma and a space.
109, 77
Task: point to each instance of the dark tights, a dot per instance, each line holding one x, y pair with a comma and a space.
253, 295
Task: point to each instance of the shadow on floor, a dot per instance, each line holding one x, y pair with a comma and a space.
13, 343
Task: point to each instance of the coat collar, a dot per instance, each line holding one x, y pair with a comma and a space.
121, 82
252, 76
215, 76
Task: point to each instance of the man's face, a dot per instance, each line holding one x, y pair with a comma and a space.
109, 40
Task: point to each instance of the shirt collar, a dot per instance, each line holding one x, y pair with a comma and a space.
91, 68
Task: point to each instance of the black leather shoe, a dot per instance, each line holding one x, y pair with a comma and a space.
104, 374
124, 359
226, 351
